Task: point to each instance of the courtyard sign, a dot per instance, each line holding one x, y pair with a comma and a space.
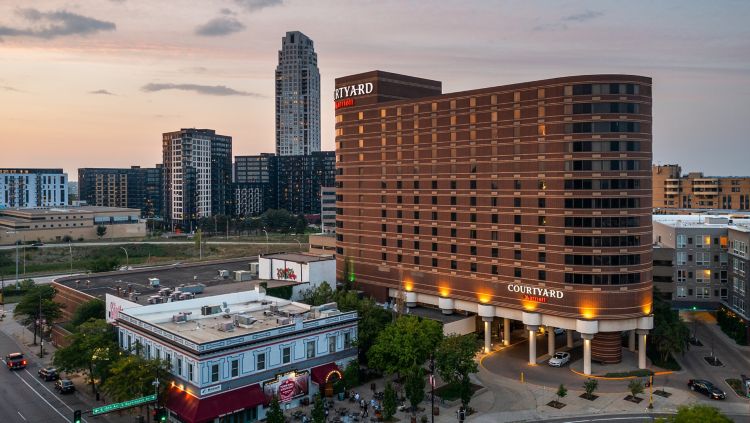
352, 90
536, 294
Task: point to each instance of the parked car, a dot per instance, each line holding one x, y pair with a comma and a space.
15, 361
48, 374
559, 359
64, 386
707, 388
37, 244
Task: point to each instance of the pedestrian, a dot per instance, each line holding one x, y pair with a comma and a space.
362, 404
366, 411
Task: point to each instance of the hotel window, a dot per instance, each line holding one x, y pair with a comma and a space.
454, 216
494, 269
453, 201
681, 241
434, 200
517, 184
454, 264
310, 349
454, 248
235, 368
434, 215
542, 239
434, 231
473, 233
542, 221
454, 232
517, 219
494, 236
517, 272
286, 355
473, 267
434, 185
472, 201
516, 237
516, 202
214, 373
542, 203
517, 254
495, 218
495, 253
434, 262
681, 292
703, 258
681, 258
702, 293
542, 275
703, 276
473, 250
542, 257
681, 276
331, 344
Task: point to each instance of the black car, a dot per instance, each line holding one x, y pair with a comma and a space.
707, 388
64, 386
15, 361
48, 374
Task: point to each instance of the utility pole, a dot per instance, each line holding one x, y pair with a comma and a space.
16, 263
432, 387
41, 329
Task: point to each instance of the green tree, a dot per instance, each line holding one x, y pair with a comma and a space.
319, 295
404, 344
590, 386
414, 386
94, 309
454, 360
38, 299
351, 374
372, 320
562, 392
635, 387
318, 413
132, 376
389, 401
274, 413
104, 264
301, 225
101, 230
671, 335
93, 349
696, 414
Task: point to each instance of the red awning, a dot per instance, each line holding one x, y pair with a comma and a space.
193, 410
323, 374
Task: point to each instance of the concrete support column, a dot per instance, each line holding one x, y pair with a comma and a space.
446, 305
487, 334
550, 341
411, 299
506, 331
587, 352
642, 333
569, 334
631, 340
532, 344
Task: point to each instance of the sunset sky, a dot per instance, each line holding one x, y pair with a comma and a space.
95, 83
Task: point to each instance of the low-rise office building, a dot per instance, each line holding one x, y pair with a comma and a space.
231, 354
69, 223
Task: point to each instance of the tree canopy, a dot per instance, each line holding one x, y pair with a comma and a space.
93, 349
404, 344
38, 299
697, 414
132, 376
454, 361
671, 335
94, 309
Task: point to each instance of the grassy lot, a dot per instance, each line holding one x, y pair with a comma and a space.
52, 260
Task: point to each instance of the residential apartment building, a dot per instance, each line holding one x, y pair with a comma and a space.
328, 210
292, 183
700, 261
230, 354
134, 187
197, 176
739, 274
33, 188
672, 190
528, 202
297, 96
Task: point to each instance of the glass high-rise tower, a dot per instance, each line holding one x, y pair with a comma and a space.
297, 97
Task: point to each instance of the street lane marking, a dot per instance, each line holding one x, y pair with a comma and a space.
19, 413
39, 395
610, 418
53, 394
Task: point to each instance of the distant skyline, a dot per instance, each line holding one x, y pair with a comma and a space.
96, 83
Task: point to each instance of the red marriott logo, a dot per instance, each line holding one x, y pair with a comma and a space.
348, 102
534, 298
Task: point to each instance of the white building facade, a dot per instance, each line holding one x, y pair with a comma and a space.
25, 188
231, 354
301, 271
297, 97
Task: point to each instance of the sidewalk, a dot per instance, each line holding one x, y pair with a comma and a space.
24, 338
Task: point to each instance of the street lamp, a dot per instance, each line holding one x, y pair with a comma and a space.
127, 259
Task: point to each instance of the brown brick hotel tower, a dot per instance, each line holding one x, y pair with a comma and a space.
528, 202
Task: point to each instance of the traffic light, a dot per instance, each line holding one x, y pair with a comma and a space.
160, 414
77, 416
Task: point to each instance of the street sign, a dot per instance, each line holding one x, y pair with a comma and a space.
120, 405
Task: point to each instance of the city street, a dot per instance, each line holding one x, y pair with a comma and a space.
25, 397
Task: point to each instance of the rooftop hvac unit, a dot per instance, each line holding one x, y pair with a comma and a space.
225, 326
208, 310
179, 318
283, 321
274, 309
155, 299
244, 321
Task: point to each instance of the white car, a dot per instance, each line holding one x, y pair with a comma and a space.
559, 359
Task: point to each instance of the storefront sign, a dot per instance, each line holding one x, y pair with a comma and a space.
211, 389
536, 294
287, 387
347, 102
353, 90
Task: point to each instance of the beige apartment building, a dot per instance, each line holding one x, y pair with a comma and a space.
55, 224
672, 190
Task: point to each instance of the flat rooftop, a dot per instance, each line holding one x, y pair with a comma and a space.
170, 276
299, 257
43, 211
229, 315
703, 221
